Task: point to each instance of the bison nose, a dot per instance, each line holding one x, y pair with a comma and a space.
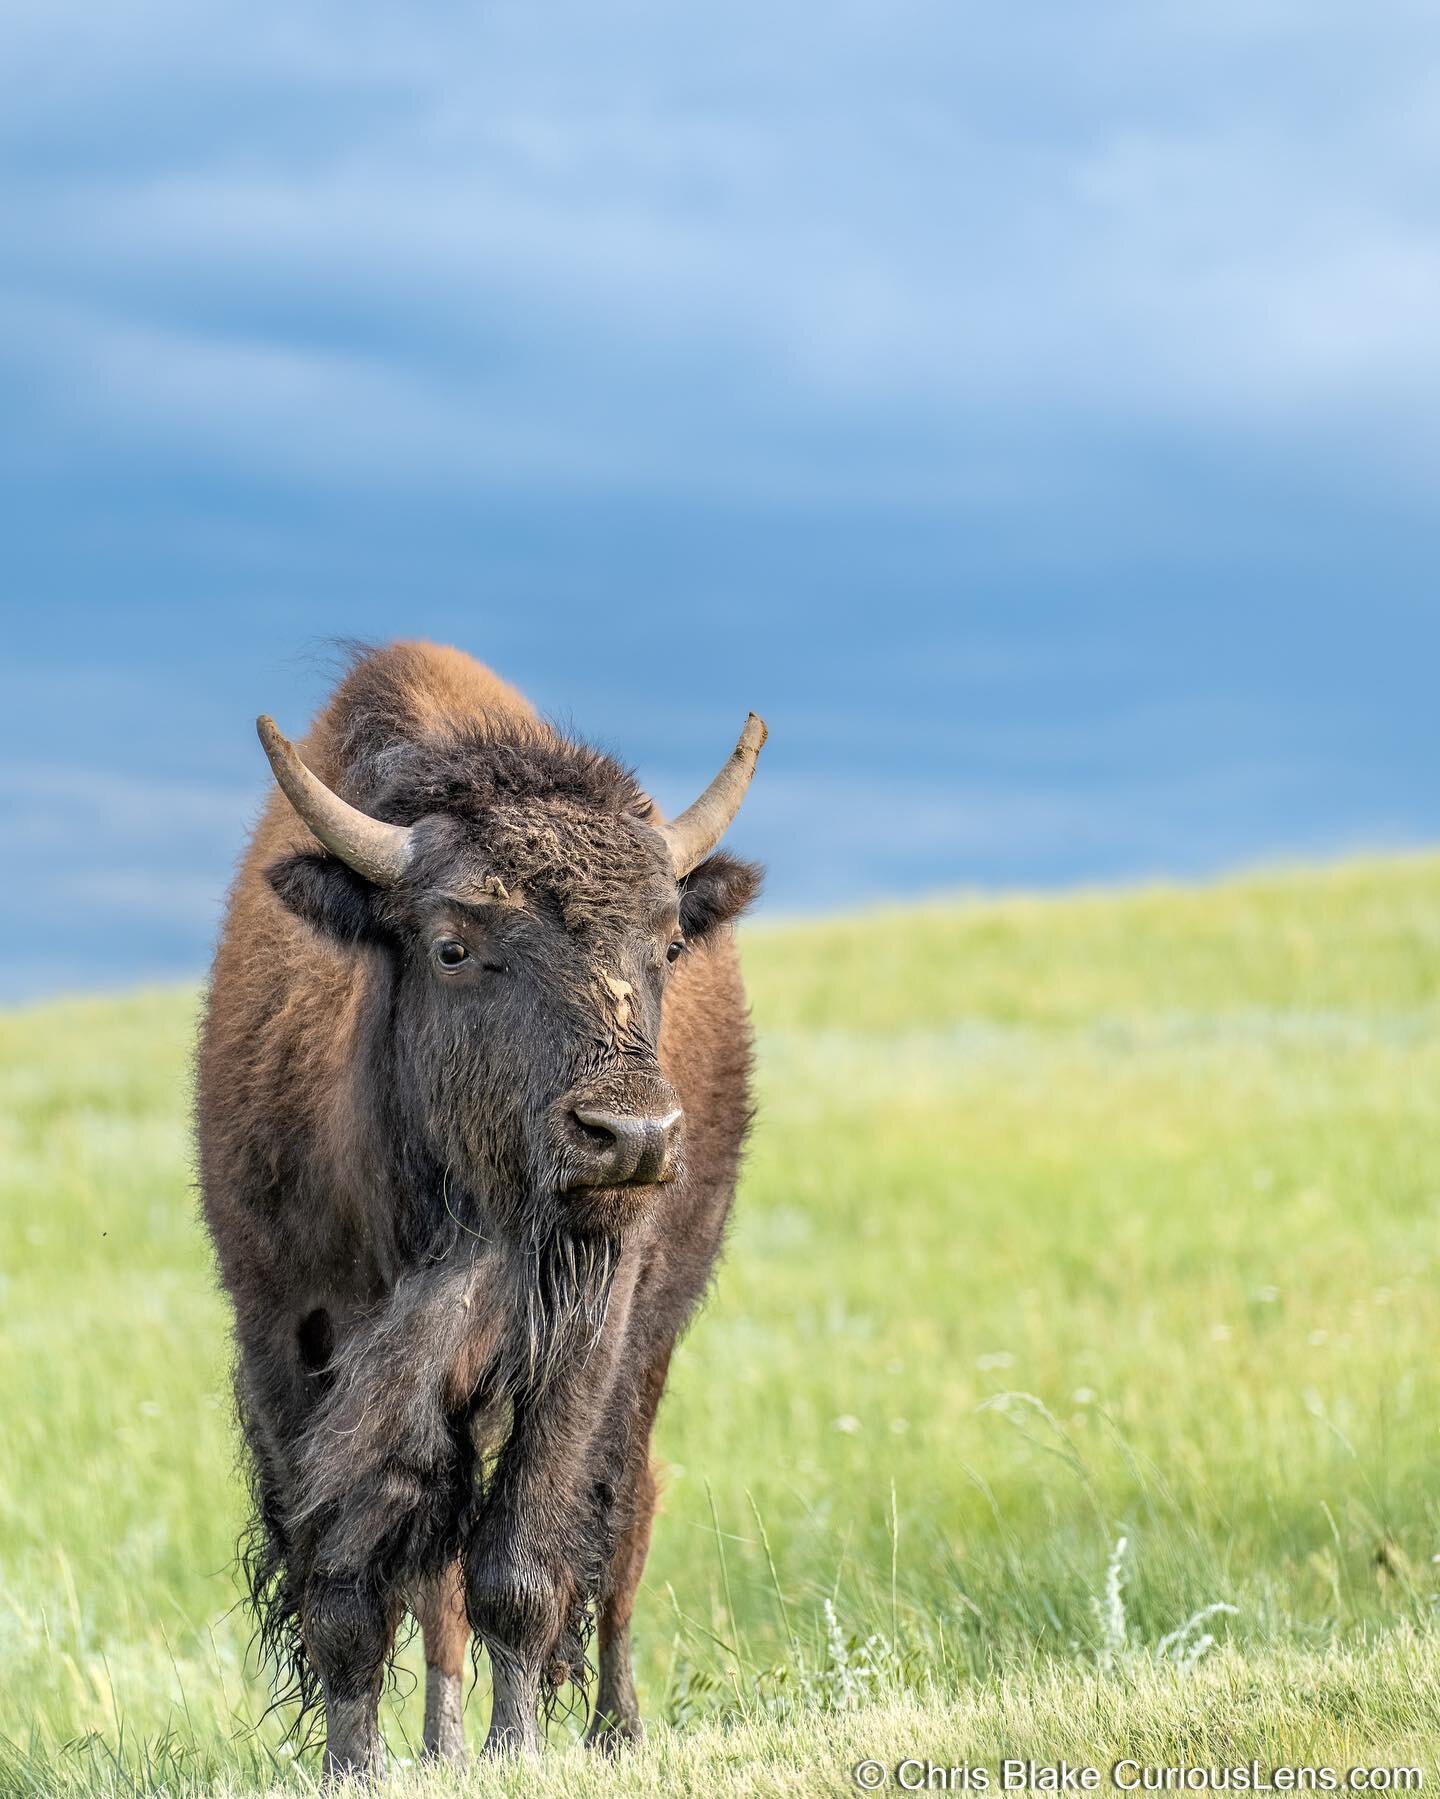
622, 1149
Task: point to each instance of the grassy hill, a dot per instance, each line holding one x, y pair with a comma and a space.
1066, 1222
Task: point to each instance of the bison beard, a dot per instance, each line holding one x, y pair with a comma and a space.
426, 1049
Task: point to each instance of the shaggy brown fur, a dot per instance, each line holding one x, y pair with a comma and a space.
450, 1348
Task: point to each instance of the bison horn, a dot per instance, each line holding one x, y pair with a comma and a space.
691, 837
372, 848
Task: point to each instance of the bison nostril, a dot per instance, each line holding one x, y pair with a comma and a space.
597, 1127
602, 1128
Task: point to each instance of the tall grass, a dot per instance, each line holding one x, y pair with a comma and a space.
1065, 1222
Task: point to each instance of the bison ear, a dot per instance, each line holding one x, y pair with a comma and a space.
717, 891
329, 895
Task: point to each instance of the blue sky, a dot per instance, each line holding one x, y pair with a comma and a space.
1035, 411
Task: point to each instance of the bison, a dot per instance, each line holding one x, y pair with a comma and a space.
472, 1092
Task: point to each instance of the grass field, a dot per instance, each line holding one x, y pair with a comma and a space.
1066, 1222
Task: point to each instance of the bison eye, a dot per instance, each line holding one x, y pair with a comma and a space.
676, 950
450, 953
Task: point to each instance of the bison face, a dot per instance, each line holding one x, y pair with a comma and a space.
537, 954
531, 939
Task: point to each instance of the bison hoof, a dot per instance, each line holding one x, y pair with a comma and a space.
505, 1743
343, 1768
609, 1735
354, 1750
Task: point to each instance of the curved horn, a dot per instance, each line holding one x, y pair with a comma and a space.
702, 824
372, 848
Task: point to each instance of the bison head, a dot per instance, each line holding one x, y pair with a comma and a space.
528, 907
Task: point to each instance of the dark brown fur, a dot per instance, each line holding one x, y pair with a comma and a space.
448, 1366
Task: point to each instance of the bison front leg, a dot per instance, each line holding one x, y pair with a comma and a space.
534, 1560
616, 1721
535, 1564
374, 1548
519, 1596
384, 1481
348, 1638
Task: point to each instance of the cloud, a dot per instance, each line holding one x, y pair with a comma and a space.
1026, 409
912, 249
105, 853
83, 804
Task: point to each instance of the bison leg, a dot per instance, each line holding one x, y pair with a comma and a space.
384, 1479
532, 1566
516, 1605
515, 1686
348, 1637
441, 1610
534, 1562
617, 1721
617, 1711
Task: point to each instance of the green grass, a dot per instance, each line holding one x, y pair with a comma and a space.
1065, 1220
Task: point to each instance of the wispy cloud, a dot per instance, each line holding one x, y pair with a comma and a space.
1036, 413
724, 249
81, 803
97, 852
